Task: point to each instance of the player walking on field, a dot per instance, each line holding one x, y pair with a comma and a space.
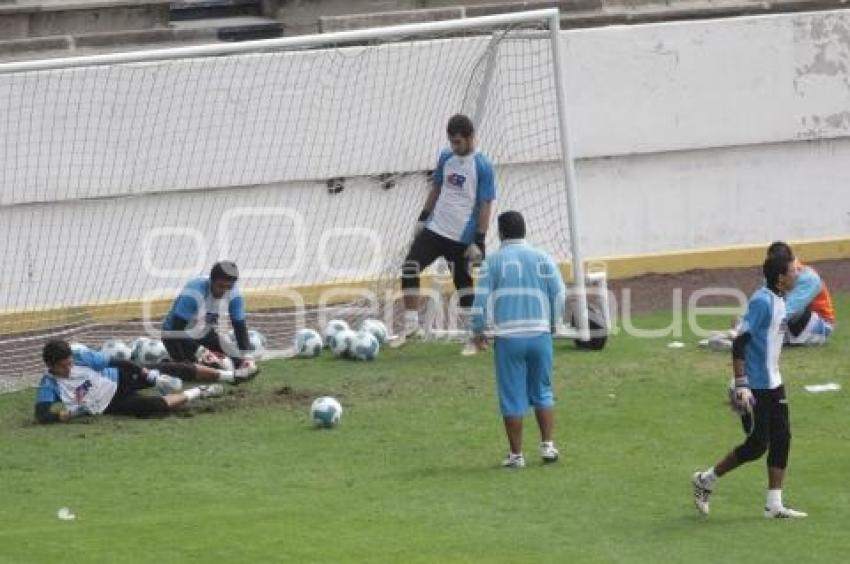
521, 295
759, 395
454, 220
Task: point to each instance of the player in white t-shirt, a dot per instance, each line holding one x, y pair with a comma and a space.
454, 220
87, 382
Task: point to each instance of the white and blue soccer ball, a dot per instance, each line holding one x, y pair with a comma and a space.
259, 342
308, 343
376, 328
136, 348
340, 342
364, 346
116, 349
151, 351
333, 327
325, 412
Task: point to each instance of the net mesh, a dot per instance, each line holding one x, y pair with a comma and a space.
307, 167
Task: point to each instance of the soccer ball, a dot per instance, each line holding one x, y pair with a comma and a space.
258, 342
333, 327
308, 343
136, 348
325, 412
151, 351
376, 328
341, 341
116, 349
365, 346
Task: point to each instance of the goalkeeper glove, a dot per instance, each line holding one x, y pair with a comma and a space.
421, 222
476, 251
741, 399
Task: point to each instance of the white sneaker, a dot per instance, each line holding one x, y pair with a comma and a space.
246, 371
783, 512
211, 391
166, 384
702, 493
514, 461
469, 348
549, 453
720, 343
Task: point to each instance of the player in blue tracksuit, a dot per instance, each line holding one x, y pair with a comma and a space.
759, 395
521, 295
192, 320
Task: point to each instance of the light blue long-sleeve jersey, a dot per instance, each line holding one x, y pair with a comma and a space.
805, 290
520, 291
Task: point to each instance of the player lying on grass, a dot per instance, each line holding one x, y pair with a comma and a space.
86, 382
758, 395
521, 295
809, 312
454, 220
189, 330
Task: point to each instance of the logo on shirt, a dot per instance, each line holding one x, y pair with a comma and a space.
212, 318
456, 180
81, 391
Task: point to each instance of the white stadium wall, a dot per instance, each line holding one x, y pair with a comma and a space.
689, 135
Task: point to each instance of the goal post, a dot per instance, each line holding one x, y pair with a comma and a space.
303, 159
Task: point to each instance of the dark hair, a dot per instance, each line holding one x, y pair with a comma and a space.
774, 266
511, 225
780, 247
54, 351
461, 125
224, 270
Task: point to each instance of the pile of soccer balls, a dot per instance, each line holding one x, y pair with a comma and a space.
342, 341
145, 350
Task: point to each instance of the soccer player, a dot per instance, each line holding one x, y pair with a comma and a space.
522, 295
809, 311
454, 220
86, 382
758, 395
808, 308
196, 311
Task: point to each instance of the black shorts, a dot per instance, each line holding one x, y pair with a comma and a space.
127, 400
183, 349
428, 247
767, 428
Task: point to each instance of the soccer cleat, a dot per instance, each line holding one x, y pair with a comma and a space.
784, 513
702, 493
246, 371
211, 391
514, 461
166, 384
548, 452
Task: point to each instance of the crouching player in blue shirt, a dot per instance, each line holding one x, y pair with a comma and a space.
521, 294
189, 330
87, 382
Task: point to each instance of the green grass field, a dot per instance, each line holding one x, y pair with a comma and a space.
412, 473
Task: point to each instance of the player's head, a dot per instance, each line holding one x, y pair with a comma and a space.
58, 357
511, 225
780, 247
223, 276
461, 134
779, 272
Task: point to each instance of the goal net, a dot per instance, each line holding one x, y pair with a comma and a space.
304, 160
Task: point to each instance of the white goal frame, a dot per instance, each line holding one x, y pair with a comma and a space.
547, 17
